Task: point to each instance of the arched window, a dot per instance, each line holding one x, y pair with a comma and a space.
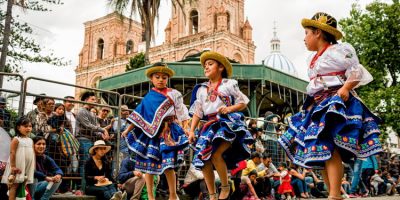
194, 22
129, 47
100, 49
228, 21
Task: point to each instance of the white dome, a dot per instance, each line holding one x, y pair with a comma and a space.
278, 61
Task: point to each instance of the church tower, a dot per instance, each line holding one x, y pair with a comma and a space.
219, 25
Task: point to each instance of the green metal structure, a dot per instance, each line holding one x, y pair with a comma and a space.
268, 89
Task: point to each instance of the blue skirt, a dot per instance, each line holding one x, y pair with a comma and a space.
230, 128
164, 151
331, 124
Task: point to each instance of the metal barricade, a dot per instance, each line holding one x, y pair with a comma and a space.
269, 139
72, 170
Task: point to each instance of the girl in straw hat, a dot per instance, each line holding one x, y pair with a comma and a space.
223, 140
333, 121
158, 140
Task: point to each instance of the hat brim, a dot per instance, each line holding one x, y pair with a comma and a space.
108, 148
218, 57
160, 69
104, 184
329, 29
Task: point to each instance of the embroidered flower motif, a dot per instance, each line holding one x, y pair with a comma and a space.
324, 147
345, 139
371, 142
313, 148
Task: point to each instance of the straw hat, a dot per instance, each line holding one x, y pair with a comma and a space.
324, 22
218, 57
97, 144
159, 67
105, 183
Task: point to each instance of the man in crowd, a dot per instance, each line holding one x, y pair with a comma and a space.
123, 147
87, 129
69, 105
131, 180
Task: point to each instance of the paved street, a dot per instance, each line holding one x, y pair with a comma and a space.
397, 197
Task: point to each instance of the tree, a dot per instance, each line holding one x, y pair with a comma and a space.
375, 34
16, 45
136, 62
148, 13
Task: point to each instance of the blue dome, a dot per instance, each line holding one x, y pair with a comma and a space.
278, 61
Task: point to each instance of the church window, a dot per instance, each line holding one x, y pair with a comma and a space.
100, 49
228, 21
129, 47
194, 22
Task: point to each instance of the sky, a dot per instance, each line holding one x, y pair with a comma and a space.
62, 31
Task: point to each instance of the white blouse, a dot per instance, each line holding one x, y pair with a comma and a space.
228, 88
181, 110
337, 58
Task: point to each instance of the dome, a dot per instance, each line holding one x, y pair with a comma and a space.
279, 61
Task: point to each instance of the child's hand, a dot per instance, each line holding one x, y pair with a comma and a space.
192, 137
343, 93
15, 170
224, 110
125, 133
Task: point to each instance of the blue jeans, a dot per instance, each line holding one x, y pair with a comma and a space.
40, 192
356, 178
84, 147
309, 180
299, 185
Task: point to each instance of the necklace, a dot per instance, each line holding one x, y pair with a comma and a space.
212, 93
315, 58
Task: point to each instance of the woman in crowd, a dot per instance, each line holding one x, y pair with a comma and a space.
47, 173
98, 174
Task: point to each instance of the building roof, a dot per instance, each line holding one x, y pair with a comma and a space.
190, 68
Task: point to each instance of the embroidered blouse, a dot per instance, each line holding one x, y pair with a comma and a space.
181, 110
228, 88
337, 65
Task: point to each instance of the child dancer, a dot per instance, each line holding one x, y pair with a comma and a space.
21, 164
333, 120
158, 140
223, 140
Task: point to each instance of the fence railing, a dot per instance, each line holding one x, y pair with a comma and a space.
113, 101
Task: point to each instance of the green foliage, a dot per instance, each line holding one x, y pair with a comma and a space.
375, 34
136, 62
22, 47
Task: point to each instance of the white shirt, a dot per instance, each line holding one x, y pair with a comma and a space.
336, 58
70, 116
228, 88
181, 110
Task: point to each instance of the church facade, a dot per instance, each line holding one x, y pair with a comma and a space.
110, 41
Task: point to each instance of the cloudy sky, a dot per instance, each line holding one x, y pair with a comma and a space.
62, 31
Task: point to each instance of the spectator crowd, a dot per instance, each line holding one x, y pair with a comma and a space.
70, 142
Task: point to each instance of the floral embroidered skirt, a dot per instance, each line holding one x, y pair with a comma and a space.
164, 151
230, 128
331, 124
